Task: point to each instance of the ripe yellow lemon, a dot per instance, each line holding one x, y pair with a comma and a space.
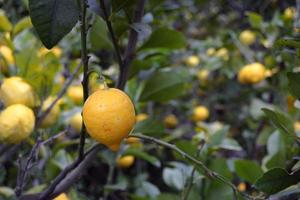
222, 53
141, 117
52, 116
55, 50
171, 121
200, 113
62, 196
192, 61
210, 51
252, 73
7, 54
297, 126
15, 90
202, 75
289, 13
247, 37
76, 122
242, 187
109, 116
125, 161
16, 123
75, 93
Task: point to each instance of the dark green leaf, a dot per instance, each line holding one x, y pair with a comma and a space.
142, 155
165, 85
99, 36
255, 19
276, 180
248, 170
294, 84
165, 38
150, 127
281, 121
53, 19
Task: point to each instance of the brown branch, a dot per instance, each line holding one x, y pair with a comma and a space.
132, 42
42, 115
85, 60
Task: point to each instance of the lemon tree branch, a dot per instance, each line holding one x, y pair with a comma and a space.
132, 42
209, 173
85, 61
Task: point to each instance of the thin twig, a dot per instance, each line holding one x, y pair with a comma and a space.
112, 33
85, 61
42, 115
48, 193
209, 173
132, 42
22, 173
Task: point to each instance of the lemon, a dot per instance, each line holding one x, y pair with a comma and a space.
200, 113
125, 161
202, 75
133, 140
192, 61
52, 116
242, 187
289, 13
109, 116
75, 93
297, 126
222, 53
7, 54
141, 117
55, 50
15, 90
252, 73
62, 196
16, 123
171, 121
210, 51
76, 122
247, 37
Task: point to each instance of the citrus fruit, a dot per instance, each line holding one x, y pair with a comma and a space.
200, 113
242, 187
75, 93
289, 13
210, 51
15, 90
222, 53
252, 73
62, 196
16, 123
55, 50
297, 126
202, 75
109, 116
171, 121
7, 54
247, 37
52, 116
125, 161
141, 117
192, 61
76, 122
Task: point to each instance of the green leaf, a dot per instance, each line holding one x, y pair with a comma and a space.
165, 38
5, 24
248, 170
165, 84
142, 155
149, 127
6, 191
294, 84
281, 121
53, 19
276, 180
22, 25
99, 36
287, 42
255, 19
